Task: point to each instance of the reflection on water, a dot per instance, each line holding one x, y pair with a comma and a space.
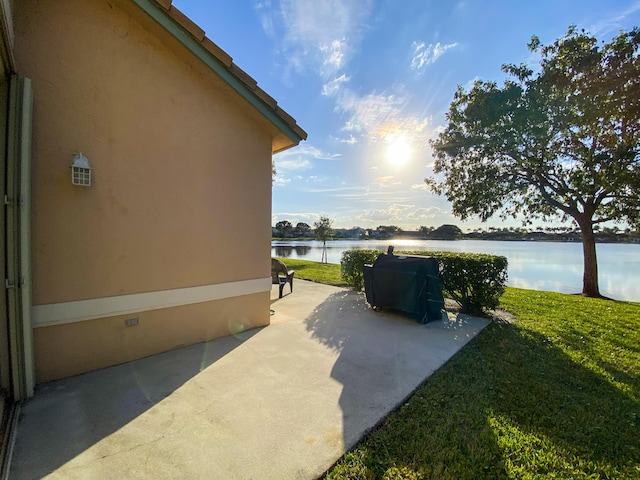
288, 251
554, 266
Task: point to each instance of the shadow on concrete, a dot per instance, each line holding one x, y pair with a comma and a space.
382, 356
68, 416
285, 401
275, 299
522, 385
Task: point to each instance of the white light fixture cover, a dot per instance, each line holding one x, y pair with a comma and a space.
80, 171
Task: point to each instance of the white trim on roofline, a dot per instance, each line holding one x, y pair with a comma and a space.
81, 310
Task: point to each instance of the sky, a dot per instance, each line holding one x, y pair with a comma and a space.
371, 81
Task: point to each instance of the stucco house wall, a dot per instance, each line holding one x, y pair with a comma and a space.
175, 229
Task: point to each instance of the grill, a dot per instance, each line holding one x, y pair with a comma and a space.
410, 284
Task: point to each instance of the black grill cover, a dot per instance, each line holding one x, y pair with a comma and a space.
410, 284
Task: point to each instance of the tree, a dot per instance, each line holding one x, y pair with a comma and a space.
323, 232
563, 142
388, 231
447, 232
302, 230
425, 232
285, 229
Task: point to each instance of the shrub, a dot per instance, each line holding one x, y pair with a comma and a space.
351, 266
475, 281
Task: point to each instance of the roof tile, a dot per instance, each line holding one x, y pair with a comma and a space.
186, 23
266, 98
244, 76
285, 116
220, 54
166, 4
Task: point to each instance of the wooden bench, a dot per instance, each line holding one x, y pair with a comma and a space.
279, 277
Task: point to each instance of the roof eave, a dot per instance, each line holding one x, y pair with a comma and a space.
193, 38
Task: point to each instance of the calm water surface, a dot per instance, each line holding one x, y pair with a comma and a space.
554, 266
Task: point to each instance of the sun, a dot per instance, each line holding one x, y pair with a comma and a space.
398, 152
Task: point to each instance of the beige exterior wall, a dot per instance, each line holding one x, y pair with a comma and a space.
65, 350
181, 193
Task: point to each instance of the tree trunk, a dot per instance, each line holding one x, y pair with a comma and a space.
590, 275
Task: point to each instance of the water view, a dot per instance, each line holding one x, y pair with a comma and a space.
554, 266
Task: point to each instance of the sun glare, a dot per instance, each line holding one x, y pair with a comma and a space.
398, 152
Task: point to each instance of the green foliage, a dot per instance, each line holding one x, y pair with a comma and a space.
447, 232
553, 394
563, 142
388, 231
475, 281
284, 228
323, 230
426, 232
302, 230
351, 265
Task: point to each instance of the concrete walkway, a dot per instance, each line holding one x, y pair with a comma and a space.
282, 402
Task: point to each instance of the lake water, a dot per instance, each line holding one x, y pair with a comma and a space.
554, 266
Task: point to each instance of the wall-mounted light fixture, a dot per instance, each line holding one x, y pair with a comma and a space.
80, 171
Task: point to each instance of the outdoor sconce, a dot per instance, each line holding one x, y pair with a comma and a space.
80, 171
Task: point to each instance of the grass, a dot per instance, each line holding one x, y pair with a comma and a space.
326, 273
553, 394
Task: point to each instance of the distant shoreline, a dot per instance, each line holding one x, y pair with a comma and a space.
547, 238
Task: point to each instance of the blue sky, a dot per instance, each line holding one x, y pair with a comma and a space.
371, 82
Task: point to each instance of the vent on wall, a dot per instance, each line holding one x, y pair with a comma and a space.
80, 171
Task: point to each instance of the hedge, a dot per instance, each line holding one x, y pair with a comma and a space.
351, 265
475, 281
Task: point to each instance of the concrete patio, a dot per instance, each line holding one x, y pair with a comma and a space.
282, 402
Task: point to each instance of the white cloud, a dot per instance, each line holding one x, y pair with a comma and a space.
615, 22
420, 186
266, 20
387, 181
281, 181
424, 55
469, 85
293, 164
332, 86
339, 191
383, 179
325, 33
300, 158
425, 213
333, 53
295, 218
308, 151
394, 213
380, 117
351, 140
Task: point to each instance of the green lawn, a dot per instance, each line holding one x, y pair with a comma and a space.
327, 273
554, 394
